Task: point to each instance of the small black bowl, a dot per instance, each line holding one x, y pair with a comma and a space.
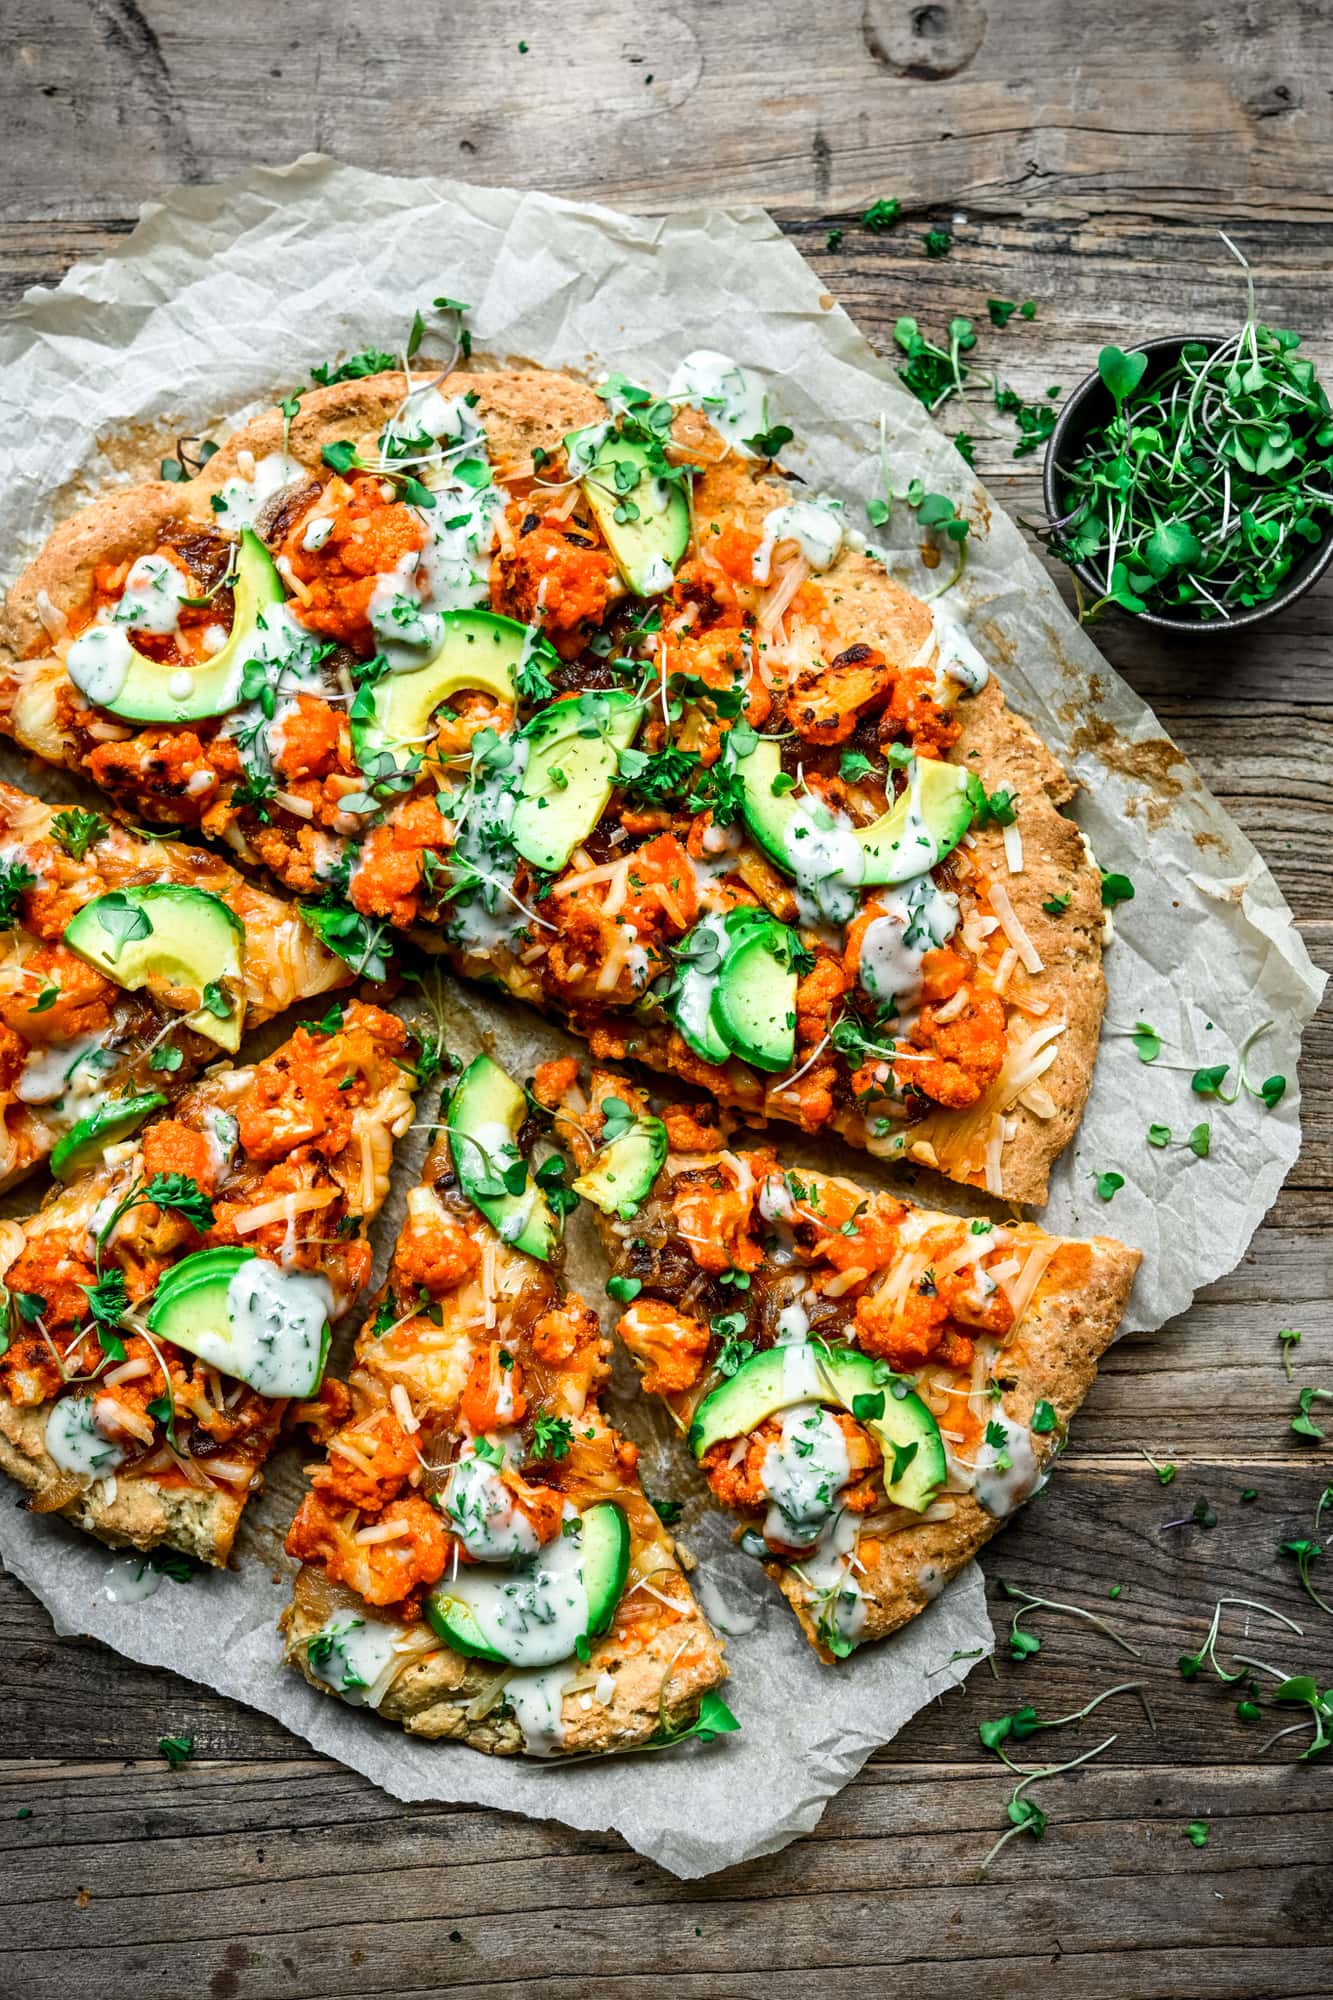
1088, 408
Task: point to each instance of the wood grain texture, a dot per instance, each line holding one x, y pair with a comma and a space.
1092, 176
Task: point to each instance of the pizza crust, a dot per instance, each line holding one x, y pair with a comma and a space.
1053, 1358
143, 1513
437, 1696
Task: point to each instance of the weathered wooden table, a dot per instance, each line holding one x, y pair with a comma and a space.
1086, 159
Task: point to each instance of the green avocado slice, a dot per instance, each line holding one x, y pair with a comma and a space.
754, 1001
699, 958
645, 519
84, 1144
573, 753
174, 940
490, 1613
250, 1319
152, 692
621, 1175
486, 1112
923, 824
807, 1371
478, 650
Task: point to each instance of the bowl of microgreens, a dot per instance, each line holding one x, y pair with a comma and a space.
1190, 479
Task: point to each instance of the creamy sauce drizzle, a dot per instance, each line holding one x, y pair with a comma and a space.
275, 1334
77, 1443
816, 527
803, 1474
1008, 1474
481, 1512
918, 918
827, 861
240, 500
734, 401
355, 1656
536, 1613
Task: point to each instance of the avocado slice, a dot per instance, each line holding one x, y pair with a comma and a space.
921, 826
252, 1320
519, 1616
699, 959
622, 1174
754, 1001
152, 692
573, 756
486, 1110
84, 1144
806, 1372
169, 937
651, 541
478, 650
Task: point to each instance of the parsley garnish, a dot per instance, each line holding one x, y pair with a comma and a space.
77, 830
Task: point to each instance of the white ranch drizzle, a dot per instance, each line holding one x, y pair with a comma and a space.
129, 1579
803, 1475
959, 660
793, 1322
827, 861
354, 1656
99, 661
535, 1696
828, 1572
1001, 1487
734, 401
917, 917
150, 600
240, 500
481, 1511
275, 1328
77, 1443
816, 527
535, 1613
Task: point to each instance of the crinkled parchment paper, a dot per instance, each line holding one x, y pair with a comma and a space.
224, 299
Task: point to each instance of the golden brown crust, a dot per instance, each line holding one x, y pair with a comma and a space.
523, 408
1053, 1359
144, 1514
439, 1694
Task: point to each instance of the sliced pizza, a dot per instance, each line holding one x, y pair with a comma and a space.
872, 1387
581, 689
166, 1305
126, 964
478, 1558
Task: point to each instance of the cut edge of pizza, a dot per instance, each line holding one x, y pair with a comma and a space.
126, 965
478, 1559
166, 1306
847, 772
872, 1387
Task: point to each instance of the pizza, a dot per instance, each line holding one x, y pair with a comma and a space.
126, 965
871, 1387
581, 690
478, 1559
167, 1306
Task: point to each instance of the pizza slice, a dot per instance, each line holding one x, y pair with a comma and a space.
581, 689
167, 1305
872, 1387
126, 964
478, 1559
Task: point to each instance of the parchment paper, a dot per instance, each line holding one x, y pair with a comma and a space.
225, 298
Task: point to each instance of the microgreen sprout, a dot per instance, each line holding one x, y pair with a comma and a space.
1202, 489
1307, 1549
1022, 1643
1192, 1664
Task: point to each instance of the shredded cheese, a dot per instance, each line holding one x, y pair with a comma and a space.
402, 1409
1013, 930
283, 1208
1013, 848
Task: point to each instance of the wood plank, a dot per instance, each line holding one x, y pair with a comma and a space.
939, 105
